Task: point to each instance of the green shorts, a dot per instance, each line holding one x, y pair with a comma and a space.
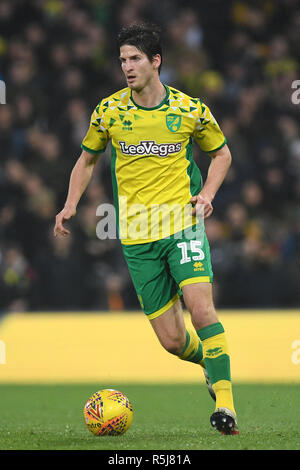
161, 268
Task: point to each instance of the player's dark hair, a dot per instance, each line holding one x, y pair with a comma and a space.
144, 36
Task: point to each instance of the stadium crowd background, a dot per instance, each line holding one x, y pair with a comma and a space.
59, 58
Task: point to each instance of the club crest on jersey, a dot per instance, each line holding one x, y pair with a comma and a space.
173, 122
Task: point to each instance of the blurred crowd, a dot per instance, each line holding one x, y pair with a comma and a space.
59, 58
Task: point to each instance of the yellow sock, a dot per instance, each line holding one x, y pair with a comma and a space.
224, 397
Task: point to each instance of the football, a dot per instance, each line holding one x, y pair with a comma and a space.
108, 412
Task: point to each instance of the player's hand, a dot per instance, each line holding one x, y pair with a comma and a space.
202, 205
61, 218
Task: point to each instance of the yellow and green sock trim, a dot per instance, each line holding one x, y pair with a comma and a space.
217, 363
192, 351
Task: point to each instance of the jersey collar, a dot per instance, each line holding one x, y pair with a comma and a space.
155, 107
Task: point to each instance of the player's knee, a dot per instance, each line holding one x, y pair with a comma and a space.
174, 345
203, 314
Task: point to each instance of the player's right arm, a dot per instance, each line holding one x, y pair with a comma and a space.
93, 144
79, 179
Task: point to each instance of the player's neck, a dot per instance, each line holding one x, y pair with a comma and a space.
151, 95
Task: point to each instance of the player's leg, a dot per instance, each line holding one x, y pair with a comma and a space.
199, 301
170, 329
184, 342
190, 266
158, 294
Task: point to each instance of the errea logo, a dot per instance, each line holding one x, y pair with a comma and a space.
213, 352
198, 266
150, 147
127, 126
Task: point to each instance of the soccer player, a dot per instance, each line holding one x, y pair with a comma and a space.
152, 128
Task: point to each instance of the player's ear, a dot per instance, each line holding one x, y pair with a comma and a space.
156, 61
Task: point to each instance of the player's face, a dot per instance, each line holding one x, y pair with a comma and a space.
137, 68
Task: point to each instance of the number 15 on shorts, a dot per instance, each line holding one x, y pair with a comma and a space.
191, 247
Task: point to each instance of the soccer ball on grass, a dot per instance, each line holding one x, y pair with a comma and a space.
108, 412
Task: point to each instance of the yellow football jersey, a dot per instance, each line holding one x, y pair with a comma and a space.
153, 171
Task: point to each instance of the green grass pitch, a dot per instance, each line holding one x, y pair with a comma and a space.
50, 417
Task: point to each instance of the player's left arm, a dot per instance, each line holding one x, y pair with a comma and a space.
218, 168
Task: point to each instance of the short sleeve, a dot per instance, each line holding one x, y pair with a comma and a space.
207, 133
97, 136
